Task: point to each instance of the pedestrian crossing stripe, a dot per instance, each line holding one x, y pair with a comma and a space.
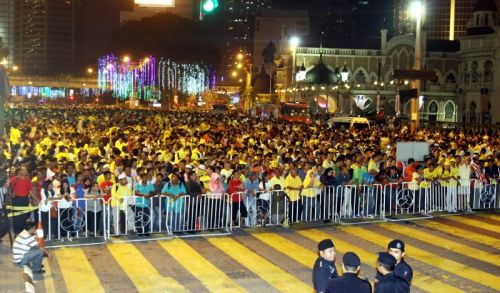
140, 271
420, 281
267, 271
459, 248
74, 265
77, 272
462, 233
48, 281
475, 223
294, 251
491, 217
434, 260
209, 275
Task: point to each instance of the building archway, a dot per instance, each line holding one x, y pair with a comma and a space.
449, 111
432, 111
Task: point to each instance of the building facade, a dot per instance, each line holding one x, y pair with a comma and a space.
48, 35
7, 30
444, 19
240, 27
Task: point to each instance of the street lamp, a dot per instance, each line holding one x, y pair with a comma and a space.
126, 59
90, 70
15, 68
418, 11
294, 43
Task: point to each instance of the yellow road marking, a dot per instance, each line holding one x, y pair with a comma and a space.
421, 281
48, 279
445, 243
77, 271
140, 271
210, 276
475, 223
489, 216
442, 263
267, 271
292, 250
463, 233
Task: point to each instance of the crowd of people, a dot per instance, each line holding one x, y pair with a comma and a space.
90, 158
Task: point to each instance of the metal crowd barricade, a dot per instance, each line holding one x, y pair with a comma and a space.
264, 209
80, 219
484, 195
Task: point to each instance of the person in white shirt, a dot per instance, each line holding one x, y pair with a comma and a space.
25, 250
464, 182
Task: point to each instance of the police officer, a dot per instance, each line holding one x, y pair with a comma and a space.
397, 248
389, 283
324, 267
349, 282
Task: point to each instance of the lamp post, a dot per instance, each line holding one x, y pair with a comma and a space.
378, 85
417, 9
294, 43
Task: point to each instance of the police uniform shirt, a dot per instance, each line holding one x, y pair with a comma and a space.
322, 272
390, 283
402, 270
348, 283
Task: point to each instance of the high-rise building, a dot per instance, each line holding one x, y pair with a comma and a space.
7, 30
240, 26
48, 35
443, 20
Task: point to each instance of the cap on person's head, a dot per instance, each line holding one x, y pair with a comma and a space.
122, 176
397, 244
351, 259
325, 244
386, 259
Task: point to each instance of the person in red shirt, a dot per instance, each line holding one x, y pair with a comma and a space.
235, 189
409, 170
106, 186
21, 187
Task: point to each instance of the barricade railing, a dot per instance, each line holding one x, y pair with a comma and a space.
484, 195
73, 219
167, 215
95, 218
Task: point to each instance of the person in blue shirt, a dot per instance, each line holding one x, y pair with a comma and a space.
143, 191
174, 202
370, 193
251, 190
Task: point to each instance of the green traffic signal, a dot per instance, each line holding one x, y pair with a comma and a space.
209, 5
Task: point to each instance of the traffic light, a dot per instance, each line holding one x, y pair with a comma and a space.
208, 6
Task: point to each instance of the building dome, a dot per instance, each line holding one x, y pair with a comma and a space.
261, 82
485, 5
321, 74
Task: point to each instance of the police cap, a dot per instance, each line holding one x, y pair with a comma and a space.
325, 244
397, 244
351, 259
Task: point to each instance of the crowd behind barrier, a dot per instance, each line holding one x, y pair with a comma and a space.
102, 173
98, 219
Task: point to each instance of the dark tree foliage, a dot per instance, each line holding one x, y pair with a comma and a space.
171, 36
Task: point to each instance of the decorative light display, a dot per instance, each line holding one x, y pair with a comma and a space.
48, 92
191, 79
146, 79
128, 78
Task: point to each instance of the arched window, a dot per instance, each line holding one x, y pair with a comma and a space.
450, 78
449, 110
472, 106
433, 107
360, 77
486, 19
474, 73
488, 71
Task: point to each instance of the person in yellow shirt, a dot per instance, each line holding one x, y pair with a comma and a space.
310, 192
15, 140
293, 187
120, 192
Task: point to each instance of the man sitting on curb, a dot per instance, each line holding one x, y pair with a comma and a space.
26, 250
